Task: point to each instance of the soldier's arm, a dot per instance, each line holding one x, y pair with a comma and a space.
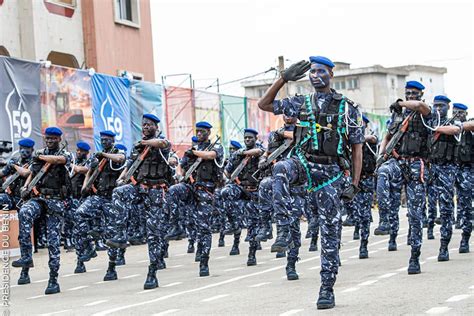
468, 126
253, 152
23, 172
384, 143
449, 130
118, 158
205, 155
155, 142
54, 160
80, 169
265, 103
356, 163
371, 139
180, 171
418, 106
88, 175
28, 180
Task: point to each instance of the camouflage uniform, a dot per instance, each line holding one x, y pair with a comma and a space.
10, 198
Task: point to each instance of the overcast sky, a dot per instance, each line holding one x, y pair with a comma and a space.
231, 39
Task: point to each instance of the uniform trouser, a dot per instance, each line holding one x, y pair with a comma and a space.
415, 193
363, 205
234, 196
464, 187
200, 197
250, 204
152, 203
137, 222
389, 186
432, 200
88, 212
8, 202
284, 173
69, 219
443, 180
31, 210
265, 201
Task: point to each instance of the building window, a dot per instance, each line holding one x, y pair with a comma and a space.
127, 12
421, 79
337, 85
353, 83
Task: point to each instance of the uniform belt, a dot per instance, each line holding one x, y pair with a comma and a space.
250, 188
322, 160
48, 196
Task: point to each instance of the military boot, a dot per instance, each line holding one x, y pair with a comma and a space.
161, 264
281, 254
252, 259
23, 263
120, 261
308, 234
88, 255
24, 276
382, 229
197, 256
151, 281
326, 298
235, 247
232, 229
269, 232
313, 246
190, 247
438, 221
221, 242
203, 266
80, 267
165, 250
414, 263
53, 286
443, 251
430, 233
464, 246
363, 252
111, 273
99, 245
356, 235
281, 241
392, 243
259, 245
291, 274
117, 242
176, 233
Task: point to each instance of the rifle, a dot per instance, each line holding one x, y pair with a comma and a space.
196, 164
274, 155
390, 148
12, 178
448, 122
234, 177
90, 182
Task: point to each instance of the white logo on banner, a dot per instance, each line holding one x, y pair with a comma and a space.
20, 119
111, 122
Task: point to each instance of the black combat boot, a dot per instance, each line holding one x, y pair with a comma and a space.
281, 254
252, 260
197, 257
53, 286
23, 263
430, 233
235, 247
382, 229
221, 242
308, 234
88, 255
464, 246
99, 245
270, 231
291, 274
326, 298
161, 264
232, 229
392, 243
111, 273
80, 267
259, 246
165, 249
438, 221
414, 264
190, 246
176, 233
120, 261
443, 251
313, 246
281, 242
356, 234
363, 252
203, 265
24, 276
117, 242
151, 281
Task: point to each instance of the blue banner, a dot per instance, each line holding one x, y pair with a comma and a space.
111, 109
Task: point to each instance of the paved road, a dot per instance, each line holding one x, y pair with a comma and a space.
378, 285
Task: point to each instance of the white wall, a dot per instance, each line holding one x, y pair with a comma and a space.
9, 28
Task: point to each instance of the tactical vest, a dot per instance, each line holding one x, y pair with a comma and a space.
369, 160
77, 180
106, 181
245, 176
56, 182
414, 142
442, 149
154, 169
464, 150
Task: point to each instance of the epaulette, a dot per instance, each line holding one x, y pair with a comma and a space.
355, 105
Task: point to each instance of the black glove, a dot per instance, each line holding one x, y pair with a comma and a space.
350, 192
24, 194
395, 106
189, 153
296, 71
240, 152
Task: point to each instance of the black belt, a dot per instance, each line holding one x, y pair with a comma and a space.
322, 160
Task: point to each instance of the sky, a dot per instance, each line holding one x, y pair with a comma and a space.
232, 39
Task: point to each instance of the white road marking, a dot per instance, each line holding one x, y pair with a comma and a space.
262, 262
453, 249
353, 257
276, 259
131, 276
93, 270
373, 251
179, 255
96, 303
402, 269
35, 297
172, 284
169, 311
234, 269
222, 257
147, 291
213, 298
351, 289
39, 281
292, 312
70, 275
471, 287
14, 285
343, 260
177, 266
432, 258
422, 262
101, 282
381, 248
143, 261
388, 275
368, 282
260, 284
438, 310
315, 268
458, 298
78, 288
55, 313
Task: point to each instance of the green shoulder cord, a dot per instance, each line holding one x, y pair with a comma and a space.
341, 127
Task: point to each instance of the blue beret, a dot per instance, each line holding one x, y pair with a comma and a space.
107, 133
460, 106
442, 98
251, 130
365, 118
26, 142
415, 85
235, 144
203, 125
121, 147
152, 117
321, 60
83, 145
54, 131
194, 139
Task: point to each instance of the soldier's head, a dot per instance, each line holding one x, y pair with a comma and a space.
320, 74
289, 120
107, 139
173, 161
234, 146
460, 111
441, 105
82, 150
250, 137
203, 131
150, 125
413, 91
26, 147
52, 137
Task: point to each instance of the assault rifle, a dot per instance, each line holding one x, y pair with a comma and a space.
448, 122
90, 182
198, 161
137, 163
234, 177
12, 178
274, 155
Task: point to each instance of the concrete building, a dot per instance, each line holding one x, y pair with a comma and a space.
111, 36
374, 87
